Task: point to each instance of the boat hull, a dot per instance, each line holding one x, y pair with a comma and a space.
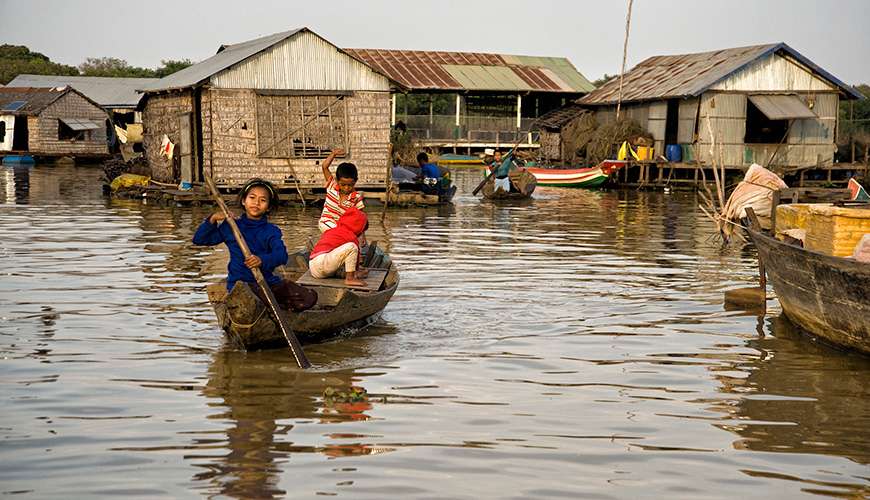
248, 323
570, 177
825, 295
523, 185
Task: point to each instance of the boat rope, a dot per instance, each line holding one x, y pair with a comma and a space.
624, 57
236, 324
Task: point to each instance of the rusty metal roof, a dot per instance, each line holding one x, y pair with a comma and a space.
689, 75
437, 70
26, 101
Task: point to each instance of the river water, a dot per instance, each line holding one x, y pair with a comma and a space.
574, 346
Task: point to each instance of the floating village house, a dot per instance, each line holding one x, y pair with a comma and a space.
474, 100
764, 104
51, 122
273, 107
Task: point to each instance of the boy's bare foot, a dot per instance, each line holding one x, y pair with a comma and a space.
354, 282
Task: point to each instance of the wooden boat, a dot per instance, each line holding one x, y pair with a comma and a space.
523, 184
339, 310
576, 177
456, 159
569, 177
825, 295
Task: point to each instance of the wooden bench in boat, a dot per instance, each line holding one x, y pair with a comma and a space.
372, 282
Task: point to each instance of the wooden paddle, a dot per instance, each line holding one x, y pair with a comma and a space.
292, 341
519, 139
755, 296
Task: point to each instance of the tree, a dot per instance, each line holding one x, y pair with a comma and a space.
112, 66
171, 66
18, 59
604, 79
855, 125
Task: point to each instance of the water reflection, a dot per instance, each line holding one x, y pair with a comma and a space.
572, 346
800, 396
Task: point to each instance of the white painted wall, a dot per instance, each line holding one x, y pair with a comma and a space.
6, 143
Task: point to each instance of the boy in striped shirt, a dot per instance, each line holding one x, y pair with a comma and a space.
340, 192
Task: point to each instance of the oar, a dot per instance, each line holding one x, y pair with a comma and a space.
755, 296
292, 341
519, 139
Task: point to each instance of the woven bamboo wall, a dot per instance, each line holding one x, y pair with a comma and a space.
231, 151
161, 117
43, 130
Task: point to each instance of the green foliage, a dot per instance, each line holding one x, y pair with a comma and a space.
18, 59
418, 104
604, 79
114, 67
855, 124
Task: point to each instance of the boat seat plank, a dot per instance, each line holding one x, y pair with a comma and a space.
372, 282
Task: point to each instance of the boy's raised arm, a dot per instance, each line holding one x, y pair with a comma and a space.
328, 161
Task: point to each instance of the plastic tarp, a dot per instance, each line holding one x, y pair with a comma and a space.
129, 180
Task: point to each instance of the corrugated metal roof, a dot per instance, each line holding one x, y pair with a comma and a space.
227, 56
781, 107
35, 100
688, 75
106, 91
436, 70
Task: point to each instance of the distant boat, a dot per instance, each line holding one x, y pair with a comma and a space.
452, 159
522, 186
17, 159
589, 177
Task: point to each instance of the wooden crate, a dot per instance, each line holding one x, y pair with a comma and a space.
829, 229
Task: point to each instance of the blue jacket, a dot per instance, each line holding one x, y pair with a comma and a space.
430, 170
263, 238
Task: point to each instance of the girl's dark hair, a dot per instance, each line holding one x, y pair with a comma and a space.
422, 157
346, 171
256, 181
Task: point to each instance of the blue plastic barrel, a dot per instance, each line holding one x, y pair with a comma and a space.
673, 152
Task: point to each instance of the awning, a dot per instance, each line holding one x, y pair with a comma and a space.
781, 107
80, 124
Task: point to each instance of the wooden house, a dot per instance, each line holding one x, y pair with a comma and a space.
764, 104
474, 100
273, 107
51, 122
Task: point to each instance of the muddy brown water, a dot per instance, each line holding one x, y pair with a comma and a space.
574, 346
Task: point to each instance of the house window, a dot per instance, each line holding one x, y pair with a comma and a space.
762, 130
293, 126
66, 133
2, 131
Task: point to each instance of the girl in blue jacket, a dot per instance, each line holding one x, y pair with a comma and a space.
264, 241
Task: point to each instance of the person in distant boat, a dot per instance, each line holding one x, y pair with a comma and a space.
341, 246
430, 175
501, 168
341, 192
263, 239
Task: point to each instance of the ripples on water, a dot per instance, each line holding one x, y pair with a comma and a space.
572, 346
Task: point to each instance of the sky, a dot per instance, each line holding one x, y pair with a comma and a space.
831, 33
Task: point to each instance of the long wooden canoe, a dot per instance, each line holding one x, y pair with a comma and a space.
339, 310
569, 177
825, 295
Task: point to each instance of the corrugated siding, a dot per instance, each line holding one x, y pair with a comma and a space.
302, 62
726, 115
773, 73
686, 124
812, 140
656, 123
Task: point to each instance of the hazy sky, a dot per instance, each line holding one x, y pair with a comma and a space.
832, 33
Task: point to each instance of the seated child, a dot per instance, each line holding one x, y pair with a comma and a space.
340, 245
340, 192
264, 241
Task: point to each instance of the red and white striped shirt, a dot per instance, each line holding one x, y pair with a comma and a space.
334, 207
